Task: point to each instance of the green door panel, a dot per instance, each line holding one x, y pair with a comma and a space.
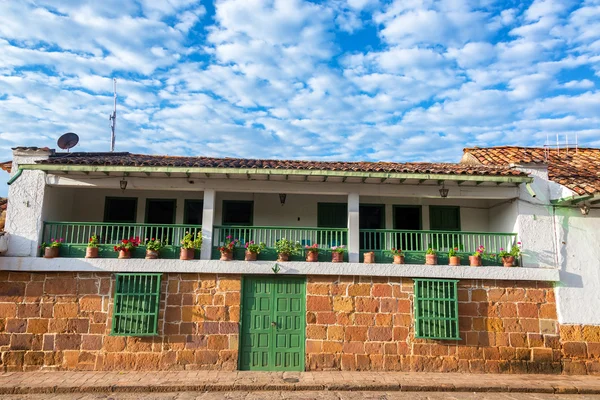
332, 215
444, 218
273, 324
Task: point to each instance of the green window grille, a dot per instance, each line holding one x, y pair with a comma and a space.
137, 298
436, 309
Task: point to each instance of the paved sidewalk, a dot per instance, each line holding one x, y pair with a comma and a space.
219, 381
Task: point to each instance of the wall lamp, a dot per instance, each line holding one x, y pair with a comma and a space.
282, 197
443, 191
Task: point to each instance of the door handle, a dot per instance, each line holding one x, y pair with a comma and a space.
274, 324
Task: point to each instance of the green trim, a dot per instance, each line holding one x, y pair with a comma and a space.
256, 171
15, 176
224, 211
119, 198
395, 207
174, 201
436, 309
136, 304
573, 200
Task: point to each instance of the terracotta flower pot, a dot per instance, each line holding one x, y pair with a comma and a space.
369, 258
151, 254
250, 256
337, 257
312, 256
226, 256
124, 254
475, 261
283, 257
91, 252
508, 261
431, 259
454, 261
399, 259
186, 254
51, 252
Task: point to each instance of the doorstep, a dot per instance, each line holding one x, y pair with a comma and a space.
179, 381
283, 268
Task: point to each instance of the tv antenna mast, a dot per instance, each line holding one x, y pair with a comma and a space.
113, 117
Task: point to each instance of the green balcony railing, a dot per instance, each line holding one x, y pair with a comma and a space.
76, 236
324, 237
415, 243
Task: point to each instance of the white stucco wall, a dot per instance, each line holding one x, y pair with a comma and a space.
578, 295
24, 217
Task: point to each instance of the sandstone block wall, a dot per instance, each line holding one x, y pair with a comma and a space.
505, 326
63, 320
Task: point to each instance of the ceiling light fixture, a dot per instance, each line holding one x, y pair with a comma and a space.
444, 191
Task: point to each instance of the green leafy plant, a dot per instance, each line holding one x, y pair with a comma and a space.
453, 252
396, 252
128, 244
431, 251
255, 248
480, 251
313, 248
284, 246
154, 244
93, 242
339, 249
191, 241
53, 243
229, 245
515, 251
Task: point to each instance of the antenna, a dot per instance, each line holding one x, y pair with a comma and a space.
68, 141
113, 118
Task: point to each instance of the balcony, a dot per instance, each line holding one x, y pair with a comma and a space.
380, 241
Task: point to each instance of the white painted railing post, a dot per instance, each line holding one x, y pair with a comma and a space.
353, 228
208, 219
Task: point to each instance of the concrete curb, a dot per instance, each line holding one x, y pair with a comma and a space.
371, 387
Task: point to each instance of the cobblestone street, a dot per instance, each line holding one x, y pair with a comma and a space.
322, 395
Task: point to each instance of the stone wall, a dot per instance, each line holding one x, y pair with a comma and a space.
505, 326
62, 321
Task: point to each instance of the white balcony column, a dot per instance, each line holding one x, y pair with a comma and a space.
353, 228
208, 219
26, 210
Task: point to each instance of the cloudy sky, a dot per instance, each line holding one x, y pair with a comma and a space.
396, 80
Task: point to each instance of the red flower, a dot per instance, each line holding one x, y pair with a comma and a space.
125, 241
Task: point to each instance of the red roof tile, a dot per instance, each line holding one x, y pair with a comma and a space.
6, 166
577, 170
128, 159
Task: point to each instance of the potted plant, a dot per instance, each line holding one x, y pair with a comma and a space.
369, 257
153, 247
337, 253
475, 259
189, 244
127, 246
227, 248
285, 248
453, 258
253, 250
508, 257
431, 257
398, 255
312, 253
92, 247
52, 249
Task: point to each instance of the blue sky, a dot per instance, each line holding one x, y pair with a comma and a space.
400, 80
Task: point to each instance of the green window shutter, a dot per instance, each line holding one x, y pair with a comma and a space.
137, 298
436, 309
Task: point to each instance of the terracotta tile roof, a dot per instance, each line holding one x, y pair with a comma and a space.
578, 171
128, 159
3, 203
6, 166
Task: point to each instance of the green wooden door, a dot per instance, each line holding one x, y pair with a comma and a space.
444, 218
273, 324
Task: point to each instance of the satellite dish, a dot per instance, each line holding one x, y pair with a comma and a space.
68, 141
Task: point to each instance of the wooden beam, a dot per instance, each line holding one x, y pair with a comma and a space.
383, 180
344, 178
421, 181
168, 174
256, 171
460, 182
402, 180
364, 179
146, 173
478, 183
